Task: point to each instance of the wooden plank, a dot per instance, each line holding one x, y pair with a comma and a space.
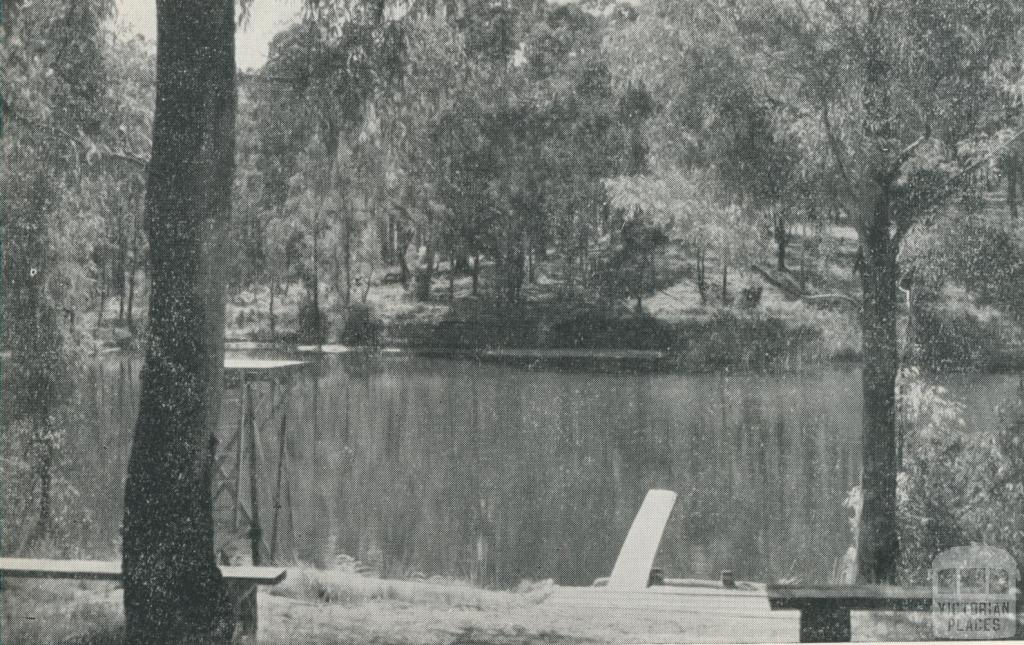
698, 583
256, 575
661, 601
258, 364
73, 569
569, 353
633, 566
857, 597
843, 592
111, 570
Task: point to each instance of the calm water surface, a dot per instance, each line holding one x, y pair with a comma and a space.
420, 466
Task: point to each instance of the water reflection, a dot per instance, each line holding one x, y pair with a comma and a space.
498, 474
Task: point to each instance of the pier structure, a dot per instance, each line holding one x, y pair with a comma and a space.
252, 493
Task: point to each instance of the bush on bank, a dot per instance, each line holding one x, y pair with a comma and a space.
960, 485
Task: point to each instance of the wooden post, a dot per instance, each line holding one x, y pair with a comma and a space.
824, 622
728, 579
656, 578
291, 513
238, 459
277, 486
243, 595
255, 531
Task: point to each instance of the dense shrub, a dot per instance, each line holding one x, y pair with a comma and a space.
604, 330
41, 513
748, 341
361, 327
955, 341
959, 485
312, 323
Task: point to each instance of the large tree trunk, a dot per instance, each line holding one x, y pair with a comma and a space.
877, 539
173, 590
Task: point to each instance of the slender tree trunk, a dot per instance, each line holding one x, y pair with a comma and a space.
701, 280
386, 236
273, 314
781, 242
347, 252
877, 538
134, 270
121, 269
173, 590
132, 279
803, 257
103, 294
403, 264
336, 264
476, 272
45, 472
1011, 184
315, 331
531, 270
425, 272
451, 276
725, 276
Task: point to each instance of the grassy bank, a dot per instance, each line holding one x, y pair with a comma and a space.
315, 607
708, 332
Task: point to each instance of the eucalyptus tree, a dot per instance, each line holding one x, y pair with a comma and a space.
173, 590
907, 108
74, 127
45, 103
900, 103
712, 124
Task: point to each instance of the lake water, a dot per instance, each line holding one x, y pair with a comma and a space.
419, 466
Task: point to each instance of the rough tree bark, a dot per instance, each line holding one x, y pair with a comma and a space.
877, 535
173, 590
877, 539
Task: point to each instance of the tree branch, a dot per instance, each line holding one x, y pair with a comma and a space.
905, 155
836, 146
106, 151
954, 183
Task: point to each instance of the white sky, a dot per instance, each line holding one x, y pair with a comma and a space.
267, 17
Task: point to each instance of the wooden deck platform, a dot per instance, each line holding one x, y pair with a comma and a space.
670, 614
664, 614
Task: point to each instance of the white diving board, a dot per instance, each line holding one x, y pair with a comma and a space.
632, 568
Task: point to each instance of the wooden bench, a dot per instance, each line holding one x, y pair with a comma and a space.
825, 610
242, 581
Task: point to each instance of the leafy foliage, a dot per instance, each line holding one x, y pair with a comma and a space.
960, 485
77, 101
